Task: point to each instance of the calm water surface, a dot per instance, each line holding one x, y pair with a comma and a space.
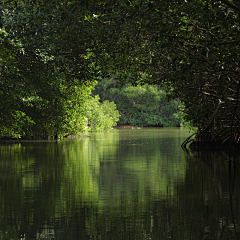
123, 184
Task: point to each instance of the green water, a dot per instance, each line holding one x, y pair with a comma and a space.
123, 184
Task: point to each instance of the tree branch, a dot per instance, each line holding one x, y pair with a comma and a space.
231, 5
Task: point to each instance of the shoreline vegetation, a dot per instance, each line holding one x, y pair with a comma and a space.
97, 107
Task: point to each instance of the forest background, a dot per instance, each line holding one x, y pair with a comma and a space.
143, 105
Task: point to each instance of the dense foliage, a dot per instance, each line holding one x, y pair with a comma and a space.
39, 97
145, 105
191, 46
68, 112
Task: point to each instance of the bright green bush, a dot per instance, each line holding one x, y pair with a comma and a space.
66, 111
101, 116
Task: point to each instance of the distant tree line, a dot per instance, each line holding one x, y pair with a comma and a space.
146, 105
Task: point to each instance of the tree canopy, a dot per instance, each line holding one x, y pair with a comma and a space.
191, 46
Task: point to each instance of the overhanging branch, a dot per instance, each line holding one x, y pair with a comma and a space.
231, 5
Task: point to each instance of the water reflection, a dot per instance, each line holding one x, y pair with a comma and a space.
124, 184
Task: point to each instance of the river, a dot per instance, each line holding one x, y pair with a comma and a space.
122, 184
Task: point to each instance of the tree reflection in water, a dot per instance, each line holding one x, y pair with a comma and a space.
125, 184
